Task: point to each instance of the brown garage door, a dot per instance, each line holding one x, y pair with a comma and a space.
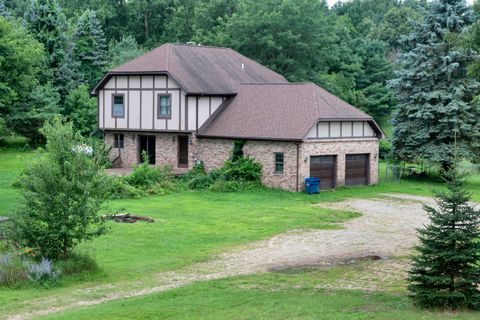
356, 169
323, 167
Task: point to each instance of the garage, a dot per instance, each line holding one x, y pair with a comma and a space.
323, 167
356, 169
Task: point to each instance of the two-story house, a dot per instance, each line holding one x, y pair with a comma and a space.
182, 103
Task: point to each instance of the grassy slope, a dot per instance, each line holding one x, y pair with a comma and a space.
190, 227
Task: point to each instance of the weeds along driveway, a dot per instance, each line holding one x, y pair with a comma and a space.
386, 228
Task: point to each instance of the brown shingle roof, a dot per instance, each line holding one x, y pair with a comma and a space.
199, 69
282, 111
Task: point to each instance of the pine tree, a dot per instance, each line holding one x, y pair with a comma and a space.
4, 12
434, 91
45, 20
48, 25
372, 94
446, 273
90, 49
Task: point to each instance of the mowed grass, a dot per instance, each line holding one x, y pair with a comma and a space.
273, 295
192, 227
11, 163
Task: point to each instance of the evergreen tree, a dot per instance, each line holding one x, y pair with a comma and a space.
4, 12
446, 273
123, 51
90, 49
45, 20
372, 94
433, 89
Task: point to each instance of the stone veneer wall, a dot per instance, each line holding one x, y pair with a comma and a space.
340, 148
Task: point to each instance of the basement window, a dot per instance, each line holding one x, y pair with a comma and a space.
279, 162
118, 142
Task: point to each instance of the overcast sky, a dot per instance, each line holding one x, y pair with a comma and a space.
332, 2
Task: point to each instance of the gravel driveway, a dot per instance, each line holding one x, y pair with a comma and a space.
386, 228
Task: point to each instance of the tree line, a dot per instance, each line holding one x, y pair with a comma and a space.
356, 49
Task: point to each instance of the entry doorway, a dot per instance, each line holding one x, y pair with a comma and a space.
147, 145
183, 151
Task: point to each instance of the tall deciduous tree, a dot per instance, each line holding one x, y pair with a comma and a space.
25, 102
90, 48
446, 272
434, 91
82, 110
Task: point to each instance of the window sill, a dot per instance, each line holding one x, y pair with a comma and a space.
164, 117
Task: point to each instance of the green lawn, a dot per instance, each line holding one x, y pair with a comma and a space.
192, 227
267, 296
10, 165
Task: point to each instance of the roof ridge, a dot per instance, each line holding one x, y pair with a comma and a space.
274, 83
196, 45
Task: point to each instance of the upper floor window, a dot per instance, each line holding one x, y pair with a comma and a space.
119, 141
164, 106
118, 106
279, 162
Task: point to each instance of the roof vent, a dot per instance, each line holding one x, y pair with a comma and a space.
243, 66
191, 43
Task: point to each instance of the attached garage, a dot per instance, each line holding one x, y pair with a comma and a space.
324, 167
356, 169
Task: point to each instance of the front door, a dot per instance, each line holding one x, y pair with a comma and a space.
183, 151
323, 167
147, 145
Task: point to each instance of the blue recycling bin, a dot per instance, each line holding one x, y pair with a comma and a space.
311, 185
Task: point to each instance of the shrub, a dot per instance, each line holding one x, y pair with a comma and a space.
41, 272
385, 149
12, 270
145, 176
242, 169
119, 189
200, 182
77, 264
63, 189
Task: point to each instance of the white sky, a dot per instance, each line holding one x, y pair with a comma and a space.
332, 2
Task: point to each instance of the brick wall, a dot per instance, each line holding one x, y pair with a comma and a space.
264, 152
340, 148
214, 153
129, 153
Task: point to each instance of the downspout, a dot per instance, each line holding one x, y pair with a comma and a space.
298, 148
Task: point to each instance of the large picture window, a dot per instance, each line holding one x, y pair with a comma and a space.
118, 106
164, 106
